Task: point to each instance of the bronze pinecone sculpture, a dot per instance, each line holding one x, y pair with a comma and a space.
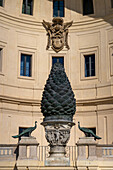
58, 101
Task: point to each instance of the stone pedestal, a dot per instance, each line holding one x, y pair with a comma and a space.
57, 134
28, 148
57, 157
86, 148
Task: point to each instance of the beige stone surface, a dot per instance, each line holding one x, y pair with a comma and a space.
20, 96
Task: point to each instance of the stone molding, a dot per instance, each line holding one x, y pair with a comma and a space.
86, 102
23, 151
34, 24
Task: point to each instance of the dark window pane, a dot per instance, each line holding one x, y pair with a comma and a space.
58, 8
94, 131
55, 12
24, 7
111, 3
1, 2
88, 7
61, 8
0, 59
22, 65
89, 65
55, 3
58, 59
28, 10
21, 129
30, 7
93, 72
27, 7
28, 66
55, 8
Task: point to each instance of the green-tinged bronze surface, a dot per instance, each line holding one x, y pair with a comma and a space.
58, 102
88, 132
28, 130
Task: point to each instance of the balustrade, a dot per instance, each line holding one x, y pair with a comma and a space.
11, 151
8, 151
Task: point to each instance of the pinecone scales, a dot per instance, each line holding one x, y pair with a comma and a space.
58, 98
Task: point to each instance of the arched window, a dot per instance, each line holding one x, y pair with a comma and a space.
88, 7
58, 8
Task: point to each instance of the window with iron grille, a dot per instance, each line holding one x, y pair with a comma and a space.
25, 66
1, 2
58, 8
1, 51
27, 7
88, 7
58, 60
89, 65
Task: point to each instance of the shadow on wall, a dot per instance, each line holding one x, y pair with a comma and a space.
101, 8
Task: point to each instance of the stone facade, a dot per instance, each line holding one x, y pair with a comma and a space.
20, 96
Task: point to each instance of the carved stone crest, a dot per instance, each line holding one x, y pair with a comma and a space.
57, 32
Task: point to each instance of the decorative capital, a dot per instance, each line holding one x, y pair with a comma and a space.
57, 33
58, 133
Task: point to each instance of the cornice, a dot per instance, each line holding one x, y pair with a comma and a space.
19, 101
96, 101
33, 23
21, 22
34, 102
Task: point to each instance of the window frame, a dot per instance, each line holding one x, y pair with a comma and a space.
93, 50
3, 47
58, 57
59, 10
26, 8
25, 65
26, 52
110, 59
62, 53
89, 64
1, 59
88, 14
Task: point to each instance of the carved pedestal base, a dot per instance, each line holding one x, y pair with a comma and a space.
28, 148
57, 157
57, 134
87, 148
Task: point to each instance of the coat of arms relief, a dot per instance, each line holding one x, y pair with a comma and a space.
57, 32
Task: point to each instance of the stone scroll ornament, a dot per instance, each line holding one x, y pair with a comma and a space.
57, 33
